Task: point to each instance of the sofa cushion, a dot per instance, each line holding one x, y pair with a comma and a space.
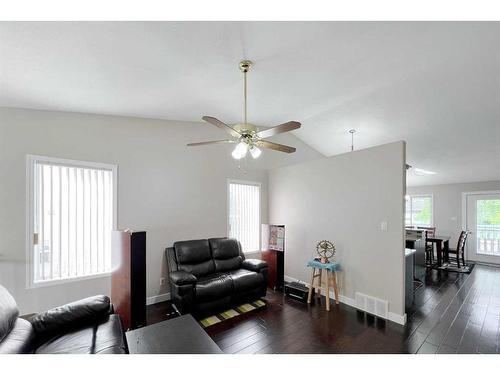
194, 257
77, 342
19, 340
103, 338
8, 313
245, 280
213, 287
109, 337
226, 254
71, 316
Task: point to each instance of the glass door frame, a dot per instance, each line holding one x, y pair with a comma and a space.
465, 195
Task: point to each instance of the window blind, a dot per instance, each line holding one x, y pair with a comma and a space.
72, 220
244, 215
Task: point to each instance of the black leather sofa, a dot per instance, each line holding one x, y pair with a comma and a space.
87, 326
207, 276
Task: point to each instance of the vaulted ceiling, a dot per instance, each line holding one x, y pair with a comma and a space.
435, 85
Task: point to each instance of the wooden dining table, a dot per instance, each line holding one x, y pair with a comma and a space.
442, 247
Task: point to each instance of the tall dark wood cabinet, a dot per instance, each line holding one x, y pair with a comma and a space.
128, 281
276, 263
273, 253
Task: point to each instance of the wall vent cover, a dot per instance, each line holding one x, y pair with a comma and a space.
372, 305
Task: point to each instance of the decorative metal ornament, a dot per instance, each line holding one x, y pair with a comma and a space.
325, 250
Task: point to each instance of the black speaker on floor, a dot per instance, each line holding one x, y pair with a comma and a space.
297, 291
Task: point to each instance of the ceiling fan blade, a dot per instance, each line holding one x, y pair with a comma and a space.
211, 142
221, 125
276, 146
286, 127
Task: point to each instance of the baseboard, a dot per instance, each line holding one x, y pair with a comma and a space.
396, 318
484, 263
159, 298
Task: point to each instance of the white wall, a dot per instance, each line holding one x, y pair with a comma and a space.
344, 199
170, 191
447, 201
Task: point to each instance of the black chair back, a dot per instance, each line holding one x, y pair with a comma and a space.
462, 240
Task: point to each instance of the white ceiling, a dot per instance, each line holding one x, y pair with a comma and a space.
435, 85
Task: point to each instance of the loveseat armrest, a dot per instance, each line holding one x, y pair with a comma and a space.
71, 316
255, 265
182, 278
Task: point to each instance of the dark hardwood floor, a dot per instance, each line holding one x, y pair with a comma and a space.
453, 313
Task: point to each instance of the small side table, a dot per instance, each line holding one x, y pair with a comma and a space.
331, 276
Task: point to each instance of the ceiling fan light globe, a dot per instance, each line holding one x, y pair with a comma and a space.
236, 155
240, 150
255, 151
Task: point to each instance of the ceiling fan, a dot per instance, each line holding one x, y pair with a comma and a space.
248, 136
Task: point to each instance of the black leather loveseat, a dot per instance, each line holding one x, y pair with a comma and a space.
209, 275
87, 326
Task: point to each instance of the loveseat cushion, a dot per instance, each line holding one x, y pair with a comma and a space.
255, 265
194, 257
245, 280
213, 287
226, 254
182, 278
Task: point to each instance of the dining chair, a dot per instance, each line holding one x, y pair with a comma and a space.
460, 250
429, 246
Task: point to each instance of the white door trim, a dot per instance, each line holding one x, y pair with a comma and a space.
466, 194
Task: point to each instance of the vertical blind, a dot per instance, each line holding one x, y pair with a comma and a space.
72, 221
244, 215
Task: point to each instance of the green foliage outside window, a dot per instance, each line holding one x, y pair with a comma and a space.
423, 216
488, 212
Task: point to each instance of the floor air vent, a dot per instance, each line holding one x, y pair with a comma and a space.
372, 305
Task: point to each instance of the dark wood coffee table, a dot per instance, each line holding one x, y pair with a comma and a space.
182, 335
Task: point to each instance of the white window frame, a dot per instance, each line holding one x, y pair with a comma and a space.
410, 196
245, 182
30, 162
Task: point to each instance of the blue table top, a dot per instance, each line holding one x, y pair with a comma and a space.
334, 266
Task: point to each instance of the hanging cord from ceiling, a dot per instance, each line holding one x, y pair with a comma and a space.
352, 131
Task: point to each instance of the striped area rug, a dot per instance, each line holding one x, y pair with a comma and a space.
229, 314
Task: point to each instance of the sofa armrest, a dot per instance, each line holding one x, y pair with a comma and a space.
255, 265
182, 278
71, 316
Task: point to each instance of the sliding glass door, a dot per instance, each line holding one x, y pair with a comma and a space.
483, 221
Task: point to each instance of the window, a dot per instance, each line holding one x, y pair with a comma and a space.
419, 210
244, 214
72, 211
